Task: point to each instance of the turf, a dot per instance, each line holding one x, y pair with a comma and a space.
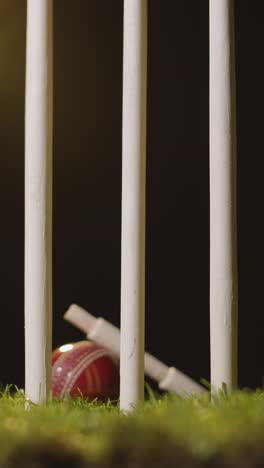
166, 431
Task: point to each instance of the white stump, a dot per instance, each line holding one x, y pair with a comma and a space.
223, 262
133, 204
38, 201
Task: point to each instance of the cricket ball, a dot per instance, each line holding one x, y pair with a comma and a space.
84, 369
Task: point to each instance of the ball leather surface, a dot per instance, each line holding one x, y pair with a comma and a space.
84, 369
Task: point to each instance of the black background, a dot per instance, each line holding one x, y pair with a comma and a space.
87, 177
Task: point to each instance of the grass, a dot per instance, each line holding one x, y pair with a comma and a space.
164, 432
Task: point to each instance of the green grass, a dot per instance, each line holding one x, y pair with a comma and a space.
165, 431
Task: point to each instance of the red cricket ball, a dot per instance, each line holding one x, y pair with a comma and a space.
84, 369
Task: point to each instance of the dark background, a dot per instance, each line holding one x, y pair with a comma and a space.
87, 177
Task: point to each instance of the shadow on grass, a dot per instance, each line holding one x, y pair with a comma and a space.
44, 455
128, 455
53, 455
